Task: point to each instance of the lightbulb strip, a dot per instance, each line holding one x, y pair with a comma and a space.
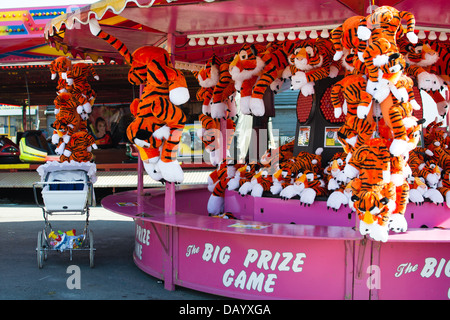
257, 32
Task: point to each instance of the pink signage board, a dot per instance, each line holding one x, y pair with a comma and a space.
413, 270
262, 267
250, 259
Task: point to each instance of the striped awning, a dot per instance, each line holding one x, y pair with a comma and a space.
199, 28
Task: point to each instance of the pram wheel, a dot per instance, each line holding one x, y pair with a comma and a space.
40, 250
91, 249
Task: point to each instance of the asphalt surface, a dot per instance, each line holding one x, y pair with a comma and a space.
114, 277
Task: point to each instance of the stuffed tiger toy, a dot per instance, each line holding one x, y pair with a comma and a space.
374, 196
223, 105
313, 61
260, 182
358, 124
208, 77
79, 85
67, 121
381, 55
165, 89
79, 148
308, 185
371, 163
385, 22
444, 188
303, 161
345, 37
397, 111
252, 61
61, 66
217, 183
275, 61
429, 64
274, 157
242, 175
372, 210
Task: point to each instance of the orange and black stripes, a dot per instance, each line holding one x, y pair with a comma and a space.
117, 44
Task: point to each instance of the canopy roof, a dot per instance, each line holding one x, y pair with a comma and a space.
150, 22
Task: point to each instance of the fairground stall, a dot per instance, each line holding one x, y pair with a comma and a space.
355, 207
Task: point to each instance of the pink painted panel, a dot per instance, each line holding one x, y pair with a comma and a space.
149, 251
260, 267
413, 271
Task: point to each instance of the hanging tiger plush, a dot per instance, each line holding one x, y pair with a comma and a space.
165, 89
208, 77
373, 211
79, 147
357, 129
275, 61
345, 37
61, 66
313, 61
223, 104
252, 61
67, 121
429, 64
79, 85
385, 22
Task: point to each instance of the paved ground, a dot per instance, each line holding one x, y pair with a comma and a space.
114, 276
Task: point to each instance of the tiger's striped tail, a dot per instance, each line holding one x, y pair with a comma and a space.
113, 41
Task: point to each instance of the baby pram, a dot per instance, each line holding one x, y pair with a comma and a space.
67, 188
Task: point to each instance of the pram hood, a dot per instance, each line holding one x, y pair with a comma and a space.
52, 166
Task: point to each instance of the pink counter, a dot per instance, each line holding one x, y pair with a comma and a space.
264, 255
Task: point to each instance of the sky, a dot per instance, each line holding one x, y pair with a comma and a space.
6, 4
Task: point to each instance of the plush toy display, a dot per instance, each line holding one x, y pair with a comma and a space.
158, 117
312, 61
78, 81
73, 142
380, 64
208, 78
61, 67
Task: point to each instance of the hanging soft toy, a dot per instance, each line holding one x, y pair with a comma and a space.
385, 22
356, 130
208, 77
210, 135
61, 66
223, 103
80, 87
312, 62
79, 147
250, 62
345, 38
373, 193
165, 89
67, 121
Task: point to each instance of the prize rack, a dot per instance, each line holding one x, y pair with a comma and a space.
276, 249
67, 188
